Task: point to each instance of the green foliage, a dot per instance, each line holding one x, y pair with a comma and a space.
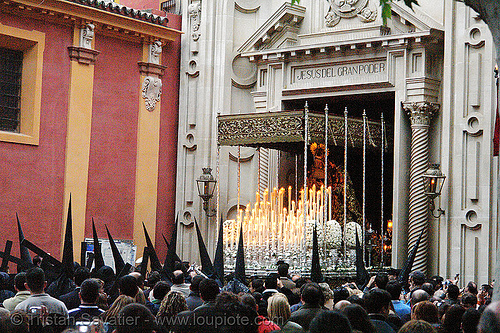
295, 2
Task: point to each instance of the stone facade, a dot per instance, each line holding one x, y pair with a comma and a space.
246, 56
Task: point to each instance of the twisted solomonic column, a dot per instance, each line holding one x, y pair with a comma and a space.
420, 116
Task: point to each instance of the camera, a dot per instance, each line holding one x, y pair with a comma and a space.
35, 310
83, 326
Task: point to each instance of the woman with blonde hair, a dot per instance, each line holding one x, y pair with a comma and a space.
111, 315
278, 310
173, 303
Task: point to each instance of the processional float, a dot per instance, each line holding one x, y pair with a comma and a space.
280, 224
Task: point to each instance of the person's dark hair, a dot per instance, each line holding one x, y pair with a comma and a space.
330, 321
106, 274
37, 260
195, 283
239, 317
472, 287
489, 322
249, 300
312, 294
300, 282
178, 277
376, 299
128, 286
419, 295
35, 279
81, 274
340, 294
160, 290
470, 320
272, 281
453, 319
488, 289
417, 326
19, 325
426, 311
358, 317
258, 285
153, 278
469, 300
428, 287
394, 288
355, 299
437, 281
453, 292
381, 280
89, 291
19, 281
283, 270
135, 318
209, 289
418, 278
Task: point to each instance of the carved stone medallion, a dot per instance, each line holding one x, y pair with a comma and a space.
155, 52
86, 35
151, 92
347, 9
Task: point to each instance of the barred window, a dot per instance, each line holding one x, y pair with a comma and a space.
169, 6
11, 63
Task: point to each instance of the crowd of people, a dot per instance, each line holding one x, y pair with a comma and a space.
280, 302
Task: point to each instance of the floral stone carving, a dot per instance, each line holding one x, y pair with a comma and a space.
151, 92
347, 9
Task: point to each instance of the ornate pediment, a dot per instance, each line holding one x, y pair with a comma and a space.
280, 30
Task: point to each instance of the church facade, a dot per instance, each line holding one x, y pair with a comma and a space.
430, 71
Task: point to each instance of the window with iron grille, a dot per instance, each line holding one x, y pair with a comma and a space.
11, 63
168, 6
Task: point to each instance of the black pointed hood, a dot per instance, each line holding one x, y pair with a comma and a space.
361, 272
239, 268
46, 257
316, 275
155, 262
145, 260
23, 250
5, 260
405, 272
119, 263
219, 253
67, 257
206, 264
169, 264
168, 246
98, 258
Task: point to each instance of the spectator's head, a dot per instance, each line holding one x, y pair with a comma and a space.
178, 277
19, 325
340, 294
330, 321
377, 301
128, 286
116, 307
426, 311
257, 285
417, 279
37, 261
339, 306
89, 291
453, 292
358, 317
195, 283
106, 274
469, 300
327, 291
209, 289
428, 287
417, 326
135, 318
139, 278
300, 282
311, 294
471, 287
81, 274
355, 299
283, 270
160, 290
278, 309
453, 318
19, 281
35, 280
381, 280
272, 281
437, 281
419, 295
394, 288
153, 278
173, 303
490, 319
470, 320
249, 300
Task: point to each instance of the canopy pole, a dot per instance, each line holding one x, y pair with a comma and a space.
382, 151
364, 184
345, 184
325, 186
304, 197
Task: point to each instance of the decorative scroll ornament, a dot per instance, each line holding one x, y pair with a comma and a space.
155, 52
86, 35
347, 9
151, 92
420, 113
194, 11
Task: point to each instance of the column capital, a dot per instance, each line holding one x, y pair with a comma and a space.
420, 113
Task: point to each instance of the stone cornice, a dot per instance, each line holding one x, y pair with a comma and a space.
148, 69
83, 55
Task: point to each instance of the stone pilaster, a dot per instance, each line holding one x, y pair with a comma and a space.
420, 114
